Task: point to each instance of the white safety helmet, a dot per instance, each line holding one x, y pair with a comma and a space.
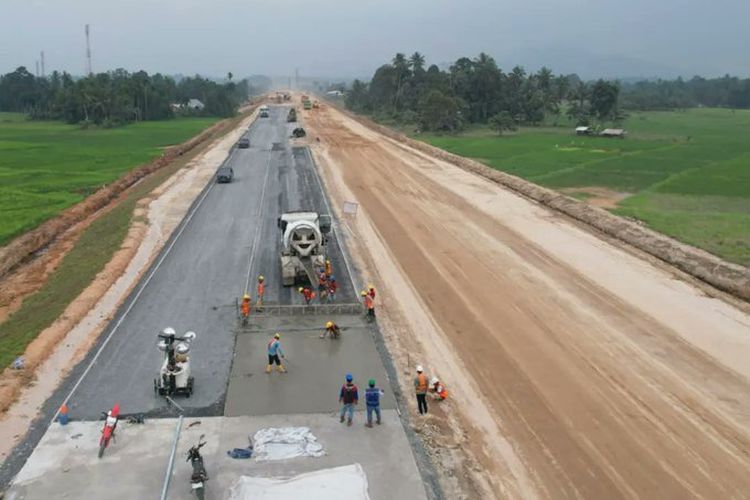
168, 331
434, 380
182, 348
420, 369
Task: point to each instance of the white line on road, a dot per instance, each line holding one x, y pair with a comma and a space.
259, 226
185, 223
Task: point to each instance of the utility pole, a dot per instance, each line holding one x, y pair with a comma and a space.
37, 69
41, 54
88, 53
296, 78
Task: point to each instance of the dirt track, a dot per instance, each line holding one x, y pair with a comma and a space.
578, 369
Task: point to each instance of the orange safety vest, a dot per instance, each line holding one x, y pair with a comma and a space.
440, 390
422, 383
245, 307
261, 289
369, 304
329, 271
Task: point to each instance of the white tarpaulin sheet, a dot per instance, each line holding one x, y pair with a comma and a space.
285, 442
340, 483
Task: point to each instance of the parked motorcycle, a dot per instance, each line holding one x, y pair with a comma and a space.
110, 424
199, 476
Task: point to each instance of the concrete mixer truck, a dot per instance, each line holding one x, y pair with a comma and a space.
303, 245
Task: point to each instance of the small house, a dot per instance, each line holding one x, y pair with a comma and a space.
195, 104
617, 133
584, 131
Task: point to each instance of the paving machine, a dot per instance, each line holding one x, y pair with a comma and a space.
174, 376
303, 245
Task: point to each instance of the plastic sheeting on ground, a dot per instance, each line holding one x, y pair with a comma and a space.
285, 442
348, 482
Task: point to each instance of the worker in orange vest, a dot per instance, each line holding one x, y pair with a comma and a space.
421, 387
369, 305
307, 294
329, 268
261, 291
438, 390
245, 308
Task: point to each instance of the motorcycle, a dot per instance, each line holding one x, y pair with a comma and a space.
199, 475
110, 424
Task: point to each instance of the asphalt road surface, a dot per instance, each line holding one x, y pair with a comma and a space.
231, 238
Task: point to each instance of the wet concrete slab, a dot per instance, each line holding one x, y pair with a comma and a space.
315, 367
65, 464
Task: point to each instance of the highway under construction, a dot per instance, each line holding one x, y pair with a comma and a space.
577, 365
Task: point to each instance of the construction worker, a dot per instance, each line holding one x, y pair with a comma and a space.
332, 330
261, 291
329, 268
438, 390
372, 400
369, 305
420, 387
322, 285
332, 288
274, 351
371, 291
307, 294
348, 397
245, 309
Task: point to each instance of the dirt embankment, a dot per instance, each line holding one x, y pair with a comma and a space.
725, 276
576, 369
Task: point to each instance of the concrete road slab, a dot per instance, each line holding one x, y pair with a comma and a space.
316, 367
65, 465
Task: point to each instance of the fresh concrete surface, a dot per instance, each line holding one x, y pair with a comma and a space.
316, 367
64, 465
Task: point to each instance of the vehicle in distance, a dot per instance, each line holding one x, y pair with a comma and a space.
264, 111
224, 175
243, 143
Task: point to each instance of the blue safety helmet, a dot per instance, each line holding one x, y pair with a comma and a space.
349, 377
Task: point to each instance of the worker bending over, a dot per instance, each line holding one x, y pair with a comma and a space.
332, 330
438, 390
307, 294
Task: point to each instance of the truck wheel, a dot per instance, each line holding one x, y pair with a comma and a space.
190, 386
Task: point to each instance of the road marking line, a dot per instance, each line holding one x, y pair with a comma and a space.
185, 223
259, 226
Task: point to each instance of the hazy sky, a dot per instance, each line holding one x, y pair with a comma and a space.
351, 38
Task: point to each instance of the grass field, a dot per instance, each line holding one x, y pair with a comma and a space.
46, 167
686, 174
92, 251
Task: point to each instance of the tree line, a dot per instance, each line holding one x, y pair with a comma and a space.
478, 91
116, 97
727, 91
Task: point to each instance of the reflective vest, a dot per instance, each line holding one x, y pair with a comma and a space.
261, 289
245, 307
421, 383
440, 390
369, 304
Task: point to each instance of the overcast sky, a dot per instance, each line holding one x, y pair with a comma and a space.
613, 38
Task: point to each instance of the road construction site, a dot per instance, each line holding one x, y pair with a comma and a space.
228, 238
577, 367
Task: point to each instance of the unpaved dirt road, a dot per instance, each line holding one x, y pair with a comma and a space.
579, 369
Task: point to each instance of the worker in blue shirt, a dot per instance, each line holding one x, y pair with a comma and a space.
274, 351
372, 400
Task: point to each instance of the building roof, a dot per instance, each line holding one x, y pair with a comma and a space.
613, 131
195, 103
582, 129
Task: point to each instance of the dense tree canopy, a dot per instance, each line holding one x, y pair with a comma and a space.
115, 97
473, 91
477, 91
